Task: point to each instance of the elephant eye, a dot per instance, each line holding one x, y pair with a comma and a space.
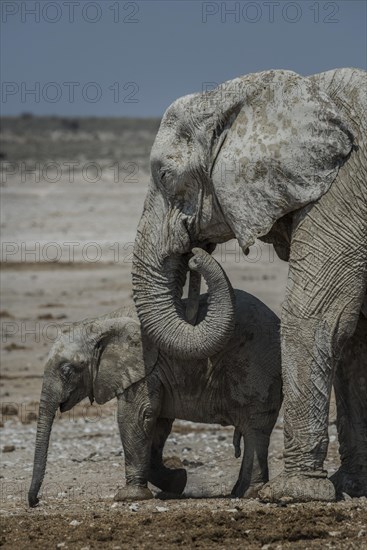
163, 175
66, 370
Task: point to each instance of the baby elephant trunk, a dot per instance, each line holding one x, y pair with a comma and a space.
46, 417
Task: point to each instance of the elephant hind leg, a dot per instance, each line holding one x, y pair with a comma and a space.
254, 468
167, 479
351, 399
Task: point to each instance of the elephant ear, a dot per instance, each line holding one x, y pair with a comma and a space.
124, 357
280, 149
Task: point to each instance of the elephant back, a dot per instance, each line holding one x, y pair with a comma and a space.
348, 90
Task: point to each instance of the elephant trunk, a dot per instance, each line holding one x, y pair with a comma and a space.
192, 305
157, 286
47, 411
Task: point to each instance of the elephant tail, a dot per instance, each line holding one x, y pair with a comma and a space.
237, 442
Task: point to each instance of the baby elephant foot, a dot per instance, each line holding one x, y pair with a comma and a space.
354, 485
133, 492
297, 488
169, 480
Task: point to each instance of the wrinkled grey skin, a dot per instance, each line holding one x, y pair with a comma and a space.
239, 386
282, 157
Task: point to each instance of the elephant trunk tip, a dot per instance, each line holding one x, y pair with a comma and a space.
197, 259
33, 499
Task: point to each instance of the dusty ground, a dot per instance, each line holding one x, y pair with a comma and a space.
88, 228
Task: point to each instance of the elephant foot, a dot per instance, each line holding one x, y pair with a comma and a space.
354, 485
168, 480
251, 492
133, 492
297, 488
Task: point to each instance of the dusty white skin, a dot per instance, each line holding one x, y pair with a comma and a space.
239, 386
282, 157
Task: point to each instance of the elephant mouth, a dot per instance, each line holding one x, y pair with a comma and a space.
64, 406
75, 397
69, 403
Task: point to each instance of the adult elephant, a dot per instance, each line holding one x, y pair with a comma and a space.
282, 157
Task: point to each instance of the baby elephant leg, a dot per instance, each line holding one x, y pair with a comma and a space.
136, 421
254, 468
167, 479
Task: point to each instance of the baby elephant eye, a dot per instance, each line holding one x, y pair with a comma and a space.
66, 370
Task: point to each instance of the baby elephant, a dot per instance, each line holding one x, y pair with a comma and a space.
107, 357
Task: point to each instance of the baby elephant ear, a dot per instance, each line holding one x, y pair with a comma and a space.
125, 358
282, 151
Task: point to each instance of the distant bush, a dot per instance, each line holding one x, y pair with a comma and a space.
70, 124
41, 138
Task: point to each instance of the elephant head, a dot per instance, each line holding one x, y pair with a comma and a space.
228, 163
96, 358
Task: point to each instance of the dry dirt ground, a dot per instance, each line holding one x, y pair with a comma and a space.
66, 255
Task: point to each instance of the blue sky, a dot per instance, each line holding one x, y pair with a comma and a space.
120, 58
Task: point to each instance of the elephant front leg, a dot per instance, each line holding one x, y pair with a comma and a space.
307, 379
351, 400
326, 287
136, 420
167, 479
